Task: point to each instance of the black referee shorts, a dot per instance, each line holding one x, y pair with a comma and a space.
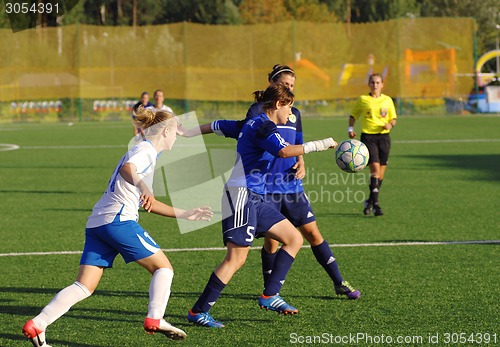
379, 146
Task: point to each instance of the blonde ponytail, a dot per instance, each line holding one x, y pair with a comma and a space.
147, 117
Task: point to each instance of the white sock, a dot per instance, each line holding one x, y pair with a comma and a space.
60, 304
159, 292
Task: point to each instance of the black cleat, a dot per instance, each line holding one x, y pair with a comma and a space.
377, 210
368, 208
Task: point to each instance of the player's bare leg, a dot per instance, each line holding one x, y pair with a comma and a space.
235, 258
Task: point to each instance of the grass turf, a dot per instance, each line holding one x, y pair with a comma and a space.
434, 191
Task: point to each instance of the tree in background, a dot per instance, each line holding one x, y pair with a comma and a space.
486, 13
121, 12
310, 11
263, 11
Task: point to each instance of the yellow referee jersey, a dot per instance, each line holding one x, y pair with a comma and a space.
374, 113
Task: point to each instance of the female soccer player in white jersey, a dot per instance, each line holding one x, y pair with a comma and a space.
246, 215
112, 228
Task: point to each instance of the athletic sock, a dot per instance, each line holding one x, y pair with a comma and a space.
281, 266
267, 263
159, 292
380, 184
60, 304
210, 294
374, 186
324, 256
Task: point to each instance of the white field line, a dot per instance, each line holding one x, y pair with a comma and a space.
446, 141
8, 147
232, 144
209, 249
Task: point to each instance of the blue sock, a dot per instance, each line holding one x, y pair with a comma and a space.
267, 263
324, 256
281, 266
210, 295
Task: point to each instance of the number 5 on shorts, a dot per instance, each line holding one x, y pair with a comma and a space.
250, 234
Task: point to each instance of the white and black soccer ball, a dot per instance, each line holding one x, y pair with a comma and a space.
352, 156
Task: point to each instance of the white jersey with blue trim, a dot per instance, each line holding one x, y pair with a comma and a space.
122, 198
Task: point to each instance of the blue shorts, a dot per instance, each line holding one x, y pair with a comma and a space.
295, 207
102, 244
245, 216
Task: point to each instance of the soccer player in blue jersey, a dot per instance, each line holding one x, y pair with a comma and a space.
245, 214
284, 190
286, 193
112, 228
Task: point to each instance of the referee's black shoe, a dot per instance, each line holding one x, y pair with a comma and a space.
368, 207
377, 210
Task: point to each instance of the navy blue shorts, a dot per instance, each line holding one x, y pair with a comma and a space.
245, 216
295, 207
128, 238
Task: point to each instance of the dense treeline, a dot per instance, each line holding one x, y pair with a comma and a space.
144, 12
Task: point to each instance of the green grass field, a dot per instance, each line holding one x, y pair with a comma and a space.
442, 184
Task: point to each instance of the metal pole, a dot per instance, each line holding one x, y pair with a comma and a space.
79, 42
186, 62
476, 86
497, 27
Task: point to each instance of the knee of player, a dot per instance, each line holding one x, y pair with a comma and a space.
236, 262
314, 237
297, 240
270, 245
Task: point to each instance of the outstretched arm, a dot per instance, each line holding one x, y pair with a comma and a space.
129, 173
196, 131
308, 147
200, 213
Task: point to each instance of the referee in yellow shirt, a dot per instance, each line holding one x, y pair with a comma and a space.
377, 115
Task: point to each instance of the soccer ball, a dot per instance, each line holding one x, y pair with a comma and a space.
352, 156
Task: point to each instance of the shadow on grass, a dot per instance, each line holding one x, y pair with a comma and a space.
488, 164
444, 242
69, 209
29, 311
56, 342
348, 215
56, 290
36, 192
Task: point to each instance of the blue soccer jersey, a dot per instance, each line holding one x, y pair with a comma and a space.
257, 136
281, 178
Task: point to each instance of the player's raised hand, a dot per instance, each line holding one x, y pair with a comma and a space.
181, 131
199, 213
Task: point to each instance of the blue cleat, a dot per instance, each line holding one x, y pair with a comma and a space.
203, 319
276, 303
